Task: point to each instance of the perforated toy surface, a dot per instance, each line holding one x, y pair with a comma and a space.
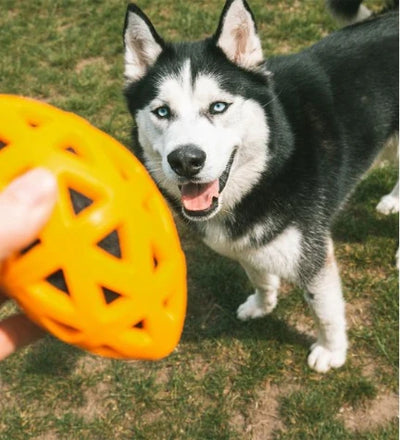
107, 272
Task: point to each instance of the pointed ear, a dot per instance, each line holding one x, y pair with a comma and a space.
237, 34
142, 43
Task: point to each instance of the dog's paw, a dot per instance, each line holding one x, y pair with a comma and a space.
322, 359
253, 308
388, 205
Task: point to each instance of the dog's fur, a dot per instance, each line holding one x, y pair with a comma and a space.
257, 155
353, 11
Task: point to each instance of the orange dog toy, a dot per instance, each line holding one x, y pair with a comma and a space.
107, 273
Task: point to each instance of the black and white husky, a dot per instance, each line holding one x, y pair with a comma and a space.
257, 155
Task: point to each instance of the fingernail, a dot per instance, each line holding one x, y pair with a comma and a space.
33, 187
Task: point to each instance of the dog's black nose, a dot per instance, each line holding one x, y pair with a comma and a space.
187, 160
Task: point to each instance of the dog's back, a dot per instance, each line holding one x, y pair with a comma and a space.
347, 88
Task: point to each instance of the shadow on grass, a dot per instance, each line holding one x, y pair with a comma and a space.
51, 358
217, 286
359, 218
358, 223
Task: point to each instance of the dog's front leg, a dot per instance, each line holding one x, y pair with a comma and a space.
328, 307
265, 298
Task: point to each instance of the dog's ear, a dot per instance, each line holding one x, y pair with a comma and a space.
237, 34
142, 43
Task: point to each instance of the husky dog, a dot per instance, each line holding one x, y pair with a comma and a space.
257, 155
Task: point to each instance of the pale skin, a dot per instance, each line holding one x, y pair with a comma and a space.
25, 206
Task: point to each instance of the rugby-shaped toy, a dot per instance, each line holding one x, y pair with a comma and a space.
107, 272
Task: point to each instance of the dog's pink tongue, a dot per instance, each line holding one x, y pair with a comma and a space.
199, 196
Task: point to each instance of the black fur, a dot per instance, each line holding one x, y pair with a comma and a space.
334, 107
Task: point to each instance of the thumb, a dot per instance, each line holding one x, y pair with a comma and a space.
25, 206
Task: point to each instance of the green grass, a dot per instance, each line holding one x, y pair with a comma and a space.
227, 379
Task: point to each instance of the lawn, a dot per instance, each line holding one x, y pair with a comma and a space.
227, 379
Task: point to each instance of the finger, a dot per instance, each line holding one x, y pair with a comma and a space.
16, 332
25, 206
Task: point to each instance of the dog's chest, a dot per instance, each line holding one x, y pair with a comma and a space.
280, 256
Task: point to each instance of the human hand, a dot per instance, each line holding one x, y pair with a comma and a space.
25, 206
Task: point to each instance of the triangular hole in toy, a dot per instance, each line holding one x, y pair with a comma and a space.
111, 244
79, 201
57, 279
3, 144
110, 295
139, 325
30, 246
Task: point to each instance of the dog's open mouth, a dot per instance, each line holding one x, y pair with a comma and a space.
200, 200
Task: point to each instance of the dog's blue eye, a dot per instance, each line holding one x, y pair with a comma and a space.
218, 107
163, 112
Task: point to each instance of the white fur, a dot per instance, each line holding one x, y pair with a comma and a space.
280, 256
141, 49
239, 39
328, 307
362, 14
263, 265
265, 298
389, 204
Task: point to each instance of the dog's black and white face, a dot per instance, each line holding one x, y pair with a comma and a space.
199, 109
